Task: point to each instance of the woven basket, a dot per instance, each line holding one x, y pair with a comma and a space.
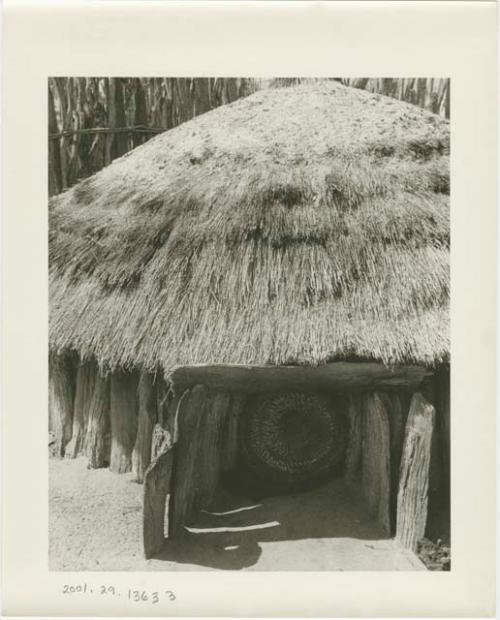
293, 439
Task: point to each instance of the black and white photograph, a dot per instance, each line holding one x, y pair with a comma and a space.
249, 323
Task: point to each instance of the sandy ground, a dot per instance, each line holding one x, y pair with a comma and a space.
95, 524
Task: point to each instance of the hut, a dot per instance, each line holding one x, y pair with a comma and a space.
265, 287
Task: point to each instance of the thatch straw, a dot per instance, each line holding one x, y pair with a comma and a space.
298, 225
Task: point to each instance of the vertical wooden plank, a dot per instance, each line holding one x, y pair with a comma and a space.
353, 451
443, 448
165, 400
414, 473
375, 478
123, 416
147, 416
156, 486
443, 390
229, 456
85, 378
184, 479
61, 400
97, 440
397, 421
209, 459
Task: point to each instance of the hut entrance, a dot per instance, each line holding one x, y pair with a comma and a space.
289, 442
257, 455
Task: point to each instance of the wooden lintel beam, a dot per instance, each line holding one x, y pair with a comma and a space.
334, 377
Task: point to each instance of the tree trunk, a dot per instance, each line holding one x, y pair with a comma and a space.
156, 487
209, 459
123, 414
61, 400
414, 473
230, 439
184, 486
353, 451
376, 474
97, 440
85, 378
141, 455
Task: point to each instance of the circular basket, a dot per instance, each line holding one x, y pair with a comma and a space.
293, 439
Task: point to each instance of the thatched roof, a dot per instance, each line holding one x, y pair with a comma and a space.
298, 225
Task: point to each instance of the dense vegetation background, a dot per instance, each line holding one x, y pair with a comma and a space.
93, 120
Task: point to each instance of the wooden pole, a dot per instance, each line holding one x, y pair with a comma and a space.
61, 400
85, 378
414, 473
123, 414
97, 440
376, 476
141, 455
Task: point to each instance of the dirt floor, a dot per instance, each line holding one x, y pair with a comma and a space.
95, 524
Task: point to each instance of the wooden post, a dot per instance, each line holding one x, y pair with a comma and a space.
141, 455
414, 473
397, 420
61, 400
184, 483
85, 377
97, 440
210, 448
229, 456
156, 487
123, 414
353, 451
376, 476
